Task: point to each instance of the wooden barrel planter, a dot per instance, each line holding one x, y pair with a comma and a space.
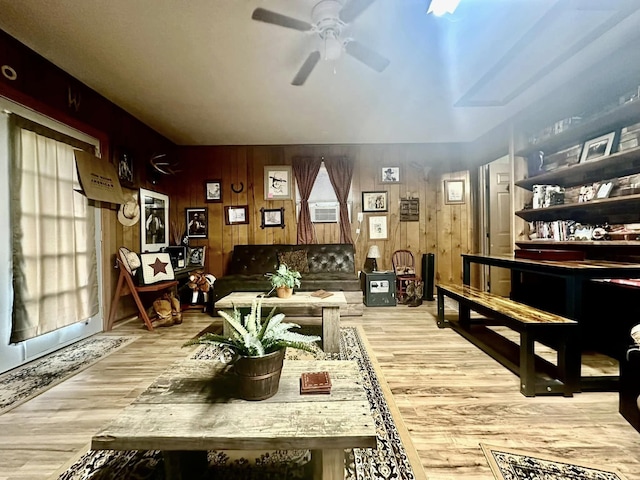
259, 377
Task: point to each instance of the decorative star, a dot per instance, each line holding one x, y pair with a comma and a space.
159, 266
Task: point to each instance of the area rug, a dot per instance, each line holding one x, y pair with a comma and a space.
509, 464
25, 382
390, 460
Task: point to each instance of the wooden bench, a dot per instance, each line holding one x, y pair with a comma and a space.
532, 324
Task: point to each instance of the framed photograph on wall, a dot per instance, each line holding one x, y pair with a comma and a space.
378, 227
236, 214
375, 201
154, 234
197, 222
213, 191
195, 256
390, 175
278, 182
124, 164
597, 148
272, 217
454, 192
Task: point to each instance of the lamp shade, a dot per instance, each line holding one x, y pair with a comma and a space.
374, 252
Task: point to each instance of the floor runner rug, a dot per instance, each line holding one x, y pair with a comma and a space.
509, 464
25, 382
390, 460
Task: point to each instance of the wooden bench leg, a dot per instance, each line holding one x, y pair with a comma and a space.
569, 364
440, 321
527, 364
328, 464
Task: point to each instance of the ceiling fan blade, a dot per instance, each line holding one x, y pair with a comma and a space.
306, 68
353, 9
267, 16
367, 56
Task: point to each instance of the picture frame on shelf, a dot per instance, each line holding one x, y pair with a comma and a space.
154, 233
195, 256
278, 182
197, 222
213, 191
597, 148
390, 175
236, 214
377, 201
604, 190
272, 217
378, 227
454, 192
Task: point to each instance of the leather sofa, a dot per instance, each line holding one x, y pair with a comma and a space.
630, 387
328, 267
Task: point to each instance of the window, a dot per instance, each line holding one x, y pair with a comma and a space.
323, 200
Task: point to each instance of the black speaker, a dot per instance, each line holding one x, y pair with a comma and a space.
428, 269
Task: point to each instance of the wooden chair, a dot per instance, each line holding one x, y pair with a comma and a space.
126, 286
404, 267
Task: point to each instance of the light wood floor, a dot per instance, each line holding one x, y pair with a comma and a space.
451, 395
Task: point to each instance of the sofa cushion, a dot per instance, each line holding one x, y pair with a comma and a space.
295, 260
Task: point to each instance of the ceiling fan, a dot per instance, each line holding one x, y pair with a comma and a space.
328, 19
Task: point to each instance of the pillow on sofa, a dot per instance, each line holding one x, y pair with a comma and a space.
295, 259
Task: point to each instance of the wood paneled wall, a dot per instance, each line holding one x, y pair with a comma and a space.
445, 230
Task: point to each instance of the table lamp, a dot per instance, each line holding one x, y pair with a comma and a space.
372, 255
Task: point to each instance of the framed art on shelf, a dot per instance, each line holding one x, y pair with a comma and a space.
454, 192
278, 183
236, 214
375, 201
597, 147
213, 191
378, 227
153, 229
197, 222
272, 217
390, 175
195, 256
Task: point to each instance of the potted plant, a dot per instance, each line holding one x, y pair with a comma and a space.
283, 280
257, 347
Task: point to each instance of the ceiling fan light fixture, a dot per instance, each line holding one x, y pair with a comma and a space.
332, 46
440, 7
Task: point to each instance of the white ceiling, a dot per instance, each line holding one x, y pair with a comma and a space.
201, 72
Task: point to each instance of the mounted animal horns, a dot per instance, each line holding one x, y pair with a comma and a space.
164, 167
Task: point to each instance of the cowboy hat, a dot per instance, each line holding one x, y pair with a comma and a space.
129, 259
129, 212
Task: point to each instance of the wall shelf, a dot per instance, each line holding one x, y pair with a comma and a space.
624, 209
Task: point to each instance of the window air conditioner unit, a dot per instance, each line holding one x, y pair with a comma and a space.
324, 212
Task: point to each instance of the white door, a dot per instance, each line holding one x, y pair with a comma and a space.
499, 223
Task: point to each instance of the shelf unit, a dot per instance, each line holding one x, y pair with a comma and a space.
612, 210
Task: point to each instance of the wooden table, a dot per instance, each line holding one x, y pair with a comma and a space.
190, 409
330, 311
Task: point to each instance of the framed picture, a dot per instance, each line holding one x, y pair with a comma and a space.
378, 227
195, 256
375, 201
236, 215
604, 190
272, 217
124, 164
390, 175
197, 222
213, 191
278, 182
453, 191
597, 147
409, 210
154, 234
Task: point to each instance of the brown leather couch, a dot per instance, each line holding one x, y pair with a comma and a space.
330, 267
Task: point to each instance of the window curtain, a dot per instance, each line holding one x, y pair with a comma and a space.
305, 170
340, 170
55, 279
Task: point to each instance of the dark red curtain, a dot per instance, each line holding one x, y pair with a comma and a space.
340, 170
306, 170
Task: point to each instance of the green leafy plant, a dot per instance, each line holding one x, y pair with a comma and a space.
284, 277
255, 337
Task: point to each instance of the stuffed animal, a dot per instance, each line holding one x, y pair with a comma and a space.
200, 282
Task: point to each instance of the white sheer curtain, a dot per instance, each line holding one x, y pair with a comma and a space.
55, 276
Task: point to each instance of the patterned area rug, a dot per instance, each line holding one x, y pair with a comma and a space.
23, 383
388, 461
509, 464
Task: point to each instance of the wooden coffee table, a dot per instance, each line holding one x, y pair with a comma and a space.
190, 409
330, 311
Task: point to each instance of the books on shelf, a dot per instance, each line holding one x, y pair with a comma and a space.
315, 382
